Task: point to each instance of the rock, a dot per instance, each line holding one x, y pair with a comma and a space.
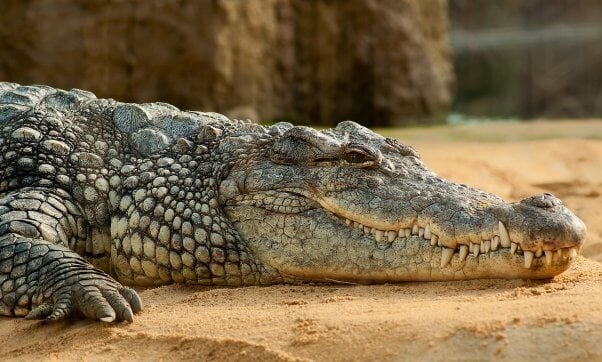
371, 61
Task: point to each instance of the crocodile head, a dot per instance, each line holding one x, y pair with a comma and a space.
348, 204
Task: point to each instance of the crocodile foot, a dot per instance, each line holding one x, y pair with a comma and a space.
95, 299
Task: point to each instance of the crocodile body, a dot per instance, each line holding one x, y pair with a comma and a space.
96, 194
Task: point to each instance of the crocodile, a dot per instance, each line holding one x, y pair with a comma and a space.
97, 196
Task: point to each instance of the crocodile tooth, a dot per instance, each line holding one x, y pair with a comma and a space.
463, 252
475, 249
548, 257
572, 253
378, 234
420, 232
407, 232
513, 248
485, 246
391, 235
348, 222
427, 232
528, 258
559, 252
434, 240
415, 229
367, 230
358, 225
495, 243
539, 253
446, 256
504, 237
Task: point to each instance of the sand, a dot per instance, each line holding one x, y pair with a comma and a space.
559, 319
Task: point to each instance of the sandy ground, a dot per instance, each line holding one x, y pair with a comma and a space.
560, 319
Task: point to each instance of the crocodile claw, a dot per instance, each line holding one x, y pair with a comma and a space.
101, 300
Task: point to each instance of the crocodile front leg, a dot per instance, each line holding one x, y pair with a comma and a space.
41, 278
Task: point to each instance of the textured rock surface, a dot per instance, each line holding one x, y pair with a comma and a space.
375, 62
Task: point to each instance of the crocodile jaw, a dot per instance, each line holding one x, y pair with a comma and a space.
311, 242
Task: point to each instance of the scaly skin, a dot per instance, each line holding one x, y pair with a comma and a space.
152, 195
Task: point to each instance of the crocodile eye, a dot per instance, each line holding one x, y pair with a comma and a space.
355, 157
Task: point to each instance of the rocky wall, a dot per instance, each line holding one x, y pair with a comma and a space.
376, 62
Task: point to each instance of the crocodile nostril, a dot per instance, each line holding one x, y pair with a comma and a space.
544, 201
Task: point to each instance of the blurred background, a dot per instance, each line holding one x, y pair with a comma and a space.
377, 62
527, 59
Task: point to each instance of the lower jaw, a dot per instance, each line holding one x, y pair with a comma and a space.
499, 265
419, 262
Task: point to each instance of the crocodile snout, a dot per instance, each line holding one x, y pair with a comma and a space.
542, 222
